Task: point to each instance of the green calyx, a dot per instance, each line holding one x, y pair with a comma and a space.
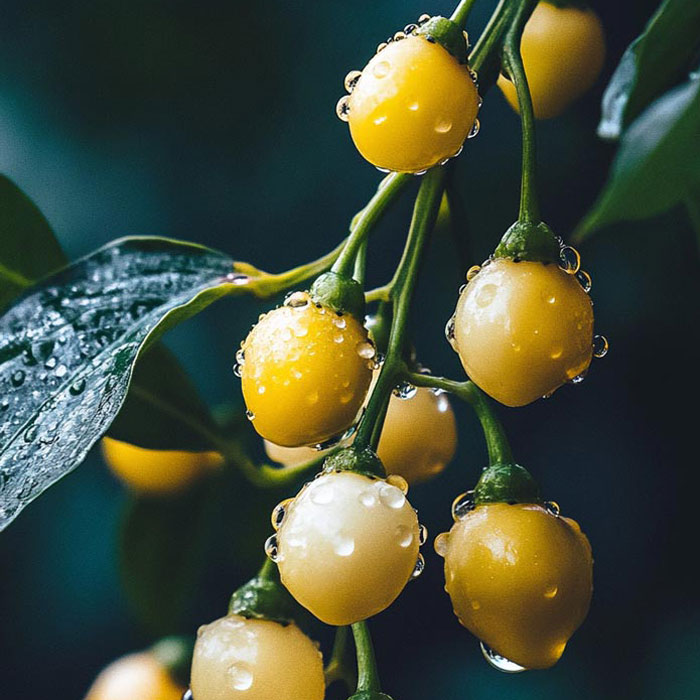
340, 293
564, 4
379, 327
527, 241
352, 459
175, 655
447, 33
506, 483
369, 695
264, 598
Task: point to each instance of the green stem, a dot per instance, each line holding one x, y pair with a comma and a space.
459, 16
16, 278
424, 216
269, 571
496, 440
692, 205
386, 193
338, 668
513, 64
487, 46
361, 263
367, 674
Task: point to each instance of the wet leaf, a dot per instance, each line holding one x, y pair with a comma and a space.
163, 409
68, 346
656, 61
658, 161
29, 250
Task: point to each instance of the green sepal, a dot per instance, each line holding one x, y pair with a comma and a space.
443, 31
369, 695
506, 483
340, 293
564, 4
353, 459
174, 653
528, 241
264, 598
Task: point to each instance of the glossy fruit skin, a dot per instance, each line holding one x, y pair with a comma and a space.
235, 657
305, 373
523, 329
418, 440
520, 579
157, 471
136, 675
413, 106
347, 546
563, 52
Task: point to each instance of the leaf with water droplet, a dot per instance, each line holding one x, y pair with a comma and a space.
174, 280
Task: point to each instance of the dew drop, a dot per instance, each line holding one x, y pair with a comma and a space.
366, 350
419, 567
476, 127
551, 591
413, 107
240, 676
338, 338
557, 352
399, 36
404, 536
410, 28
398, 481
368, 498
30, 433
344, 545
569, 260
249, 415
340, 322
476, 605
422, 534
486, 295
578, 378
237, 278
17, 378
404, 390
322, 495
442, 542
584, 279
443, 126
600, 346
4, 405
552, 508
279, 512
297, 300
500, 663
50, 363
240, 356
342, 109
463, 505
450, 331
271, 548
238, 370
423, 19
391, 496
351, 79
381, 69
187, 695
61, 371
382, 46
472, 272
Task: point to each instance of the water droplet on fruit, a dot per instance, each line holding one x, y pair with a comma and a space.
366, 350
472, 272
271, 548
552, 507
578, 378
382, 46
240, 676
17, 378
410, 28
442, 542
500, 663
249, 415
462, 505
351, 79
423, 19
422, 534
551, 591
413, 107
279, 512
486, 295
556, 352
404, 390
342, 109
368, 498
584, 279
399, 36
381, 69
476, 127
340, 322
600, 346
398, 481
404, 536
391, 496
297, 299
450, 331
569, 260
187, 695
443, 126
419, 567
344, 545
322, 495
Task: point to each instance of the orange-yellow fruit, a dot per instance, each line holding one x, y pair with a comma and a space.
135, 676
523, 329
520, 579
413, 106
157, 471
305, 372
563, 51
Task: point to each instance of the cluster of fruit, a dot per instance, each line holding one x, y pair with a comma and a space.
519, 575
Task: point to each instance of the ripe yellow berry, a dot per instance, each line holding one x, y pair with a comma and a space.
235, 657
305, 372
413, 106
563, 51
157, 471
347, 546
520, 579
134, 676
523, 329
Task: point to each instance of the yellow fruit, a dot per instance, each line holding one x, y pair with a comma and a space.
157, 471
563, 51
523, 329
520, 579
235, 657
413, 106
305, 372
347, 546
134, 676
418, 440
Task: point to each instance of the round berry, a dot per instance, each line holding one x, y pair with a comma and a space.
522, 329
305, 372
236, 657
520, 578
347, 545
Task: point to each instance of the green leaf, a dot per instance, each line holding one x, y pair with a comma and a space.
67, 349
29, 249
163, 543
163, 409
659, 158
655, 62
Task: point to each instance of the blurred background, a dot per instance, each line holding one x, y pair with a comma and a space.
215, 122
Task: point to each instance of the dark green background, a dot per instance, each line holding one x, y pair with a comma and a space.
214, 121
